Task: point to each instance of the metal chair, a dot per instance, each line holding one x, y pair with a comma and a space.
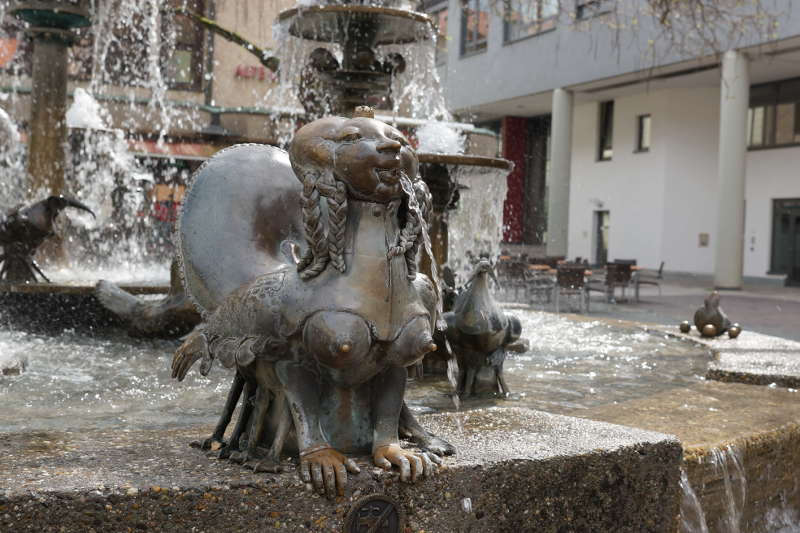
617, 275
511, 276
646, 278
571, 281
540, 282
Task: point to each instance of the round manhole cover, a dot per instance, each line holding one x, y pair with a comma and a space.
376, 513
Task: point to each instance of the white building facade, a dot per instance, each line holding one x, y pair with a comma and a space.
689, 160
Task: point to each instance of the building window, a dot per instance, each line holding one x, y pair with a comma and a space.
606, 131
474, 25
440, 19
643, 133
183, 64
773, 119
586, 9
523, 18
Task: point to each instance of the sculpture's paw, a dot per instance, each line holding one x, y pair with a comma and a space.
412, 465
226, 451
327, 469
214, 444
436, 445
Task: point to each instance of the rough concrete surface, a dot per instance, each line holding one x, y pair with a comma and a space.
521, 470
746, 434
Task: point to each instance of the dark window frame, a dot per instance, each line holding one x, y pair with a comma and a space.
536, 26
473, 46
777, 204
640, 120
605, 130
587, 9
195, 46
762, 116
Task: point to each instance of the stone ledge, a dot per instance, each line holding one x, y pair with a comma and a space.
522, 471
751, 358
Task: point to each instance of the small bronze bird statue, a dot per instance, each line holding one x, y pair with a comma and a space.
479, 331
711, 315
23, 230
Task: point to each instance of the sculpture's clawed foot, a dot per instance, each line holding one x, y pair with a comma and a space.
327, 469
436, 445
226, 451
412, 465
213, 443
259, 460
244, 456
267, 465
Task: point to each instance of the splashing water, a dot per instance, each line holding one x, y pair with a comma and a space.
574, 366
408, 189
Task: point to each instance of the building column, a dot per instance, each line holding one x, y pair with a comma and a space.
734, 103
558, 181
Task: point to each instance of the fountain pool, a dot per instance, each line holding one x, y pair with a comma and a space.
74, 381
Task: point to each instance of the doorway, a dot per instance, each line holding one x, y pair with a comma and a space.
602, 221
786, 239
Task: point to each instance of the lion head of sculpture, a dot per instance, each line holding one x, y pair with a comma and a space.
365, 154
360, 158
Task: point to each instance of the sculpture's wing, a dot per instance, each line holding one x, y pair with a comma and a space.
239, 218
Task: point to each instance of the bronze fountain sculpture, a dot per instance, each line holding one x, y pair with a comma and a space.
711, 321
22, 232
479, 332
304, 266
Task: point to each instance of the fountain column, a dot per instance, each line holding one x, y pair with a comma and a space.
558, 182
48, 126
733, 106
51, 22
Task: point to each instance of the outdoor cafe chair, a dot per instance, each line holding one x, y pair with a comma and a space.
571, 281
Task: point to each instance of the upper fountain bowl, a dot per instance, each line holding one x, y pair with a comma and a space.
54, 14
376, 24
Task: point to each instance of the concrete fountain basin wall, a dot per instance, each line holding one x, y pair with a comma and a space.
517, 470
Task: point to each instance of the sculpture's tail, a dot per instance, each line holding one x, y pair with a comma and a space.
121, 303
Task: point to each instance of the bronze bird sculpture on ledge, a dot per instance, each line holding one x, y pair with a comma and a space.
23, 230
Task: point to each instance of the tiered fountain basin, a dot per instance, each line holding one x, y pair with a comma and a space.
95, 429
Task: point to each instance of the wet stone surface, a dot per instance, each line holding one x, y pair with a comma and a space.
518, 470
753, 358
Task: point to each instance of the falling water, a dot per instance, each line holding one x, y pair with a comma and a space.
477, 224
119, 61
727, 467
693, 519
408, 188
735, 484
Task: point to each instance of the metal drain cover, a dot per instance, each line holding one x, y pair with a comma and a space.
376, 513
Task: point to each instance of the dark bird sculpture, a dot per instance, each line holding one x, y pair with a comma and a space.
23, 230
479, 332
711, 314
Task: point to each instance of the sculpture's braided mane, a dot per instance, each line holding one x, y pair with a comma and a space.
316, 258
337, 223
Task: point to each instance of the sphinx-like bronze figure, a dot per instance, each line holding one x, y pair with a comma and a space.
304, 266
479, 331
23, 230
